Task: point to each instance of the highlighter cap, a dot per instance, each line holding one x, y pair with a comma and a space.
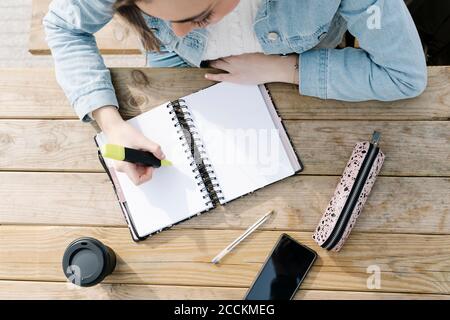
113, 151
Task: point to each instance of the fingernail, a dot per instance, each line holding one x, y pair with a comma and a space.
207, 76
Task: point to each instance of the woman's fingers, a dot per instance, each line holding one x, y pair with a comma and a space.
138, 174
128, 136
228, 64
146, 173
220, 64
129, 169
153, 147
219, 77
119, 166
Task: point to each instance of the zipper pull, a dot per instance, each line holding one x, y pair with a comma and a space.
376, 138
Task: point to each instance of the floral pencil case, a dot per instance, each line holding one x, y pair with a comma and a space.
350, 195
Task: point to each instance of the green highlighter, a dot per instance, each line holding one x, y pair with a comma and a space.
116, 152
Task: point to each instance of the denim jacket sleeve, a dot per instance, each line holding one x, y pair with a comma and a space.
389, 66
80, 70
164, 59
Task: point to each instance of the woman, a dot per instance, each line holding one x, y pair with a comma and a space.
254, 41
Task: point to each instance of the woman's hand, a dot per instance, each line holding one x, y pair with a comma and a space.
122, 133
256, 68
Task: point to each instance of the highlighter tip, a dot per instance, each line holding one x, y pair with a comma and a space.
166, 163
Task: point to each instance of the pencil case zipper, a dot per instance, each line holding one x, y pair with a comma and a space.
350, 195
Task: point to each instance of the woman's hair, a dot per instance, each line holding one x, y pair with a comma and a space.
128, 10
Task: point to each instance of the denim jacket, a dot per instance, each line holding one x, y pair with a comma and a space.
389, 65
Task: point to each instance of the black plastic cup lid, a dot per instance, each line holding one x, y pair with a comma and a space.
85, 262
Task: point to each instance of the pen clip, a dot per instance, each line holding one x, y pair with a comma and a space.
376, 138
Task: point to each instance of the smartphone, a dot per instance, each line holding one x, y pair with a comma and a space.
283, 271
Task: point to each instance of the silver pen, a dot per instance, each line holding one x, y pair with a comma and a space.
247, 232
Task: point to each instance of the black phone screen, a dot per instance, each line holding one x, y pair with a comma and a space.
283, 271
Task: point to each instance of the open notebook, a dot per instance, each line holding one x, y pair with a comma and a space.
224, 142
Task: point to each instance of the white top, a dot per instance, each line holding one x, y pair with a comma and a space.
234, 34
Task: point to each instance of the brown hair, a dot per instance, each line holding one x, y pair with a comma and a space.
128, 10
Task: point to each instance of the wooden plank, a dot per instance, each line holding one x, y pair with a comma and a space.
59, 199
47, 145
24, 97
15, 38
115, 38
88, 199
11, 290
140, 89
20, 290
408, 263
412, 148
45, 99
417, 148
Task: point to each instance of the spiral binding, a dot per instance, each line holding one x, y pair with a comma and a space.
196, 153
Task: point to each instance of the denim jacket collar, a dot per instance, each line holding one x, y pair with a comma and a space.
274, 35
190, 47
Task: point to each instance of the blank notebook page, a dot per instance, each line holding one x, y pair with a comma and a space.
172, 194
240, 138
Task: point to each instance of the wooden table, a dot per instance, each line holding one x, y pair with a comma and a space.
117, 37
53, 190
